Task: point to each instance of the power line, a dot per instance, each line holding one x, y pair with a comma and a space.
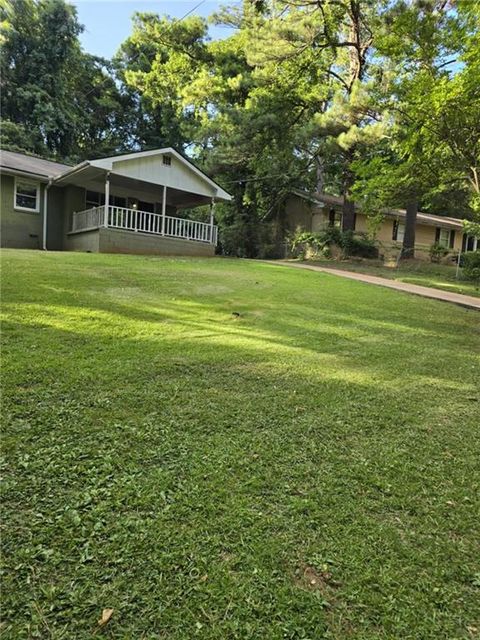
135, 58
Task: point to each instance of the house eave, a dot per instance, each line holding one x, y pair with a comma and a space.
429, 220
8, 171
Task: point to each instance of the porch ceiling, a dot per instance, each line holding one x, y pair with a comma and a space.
93, 179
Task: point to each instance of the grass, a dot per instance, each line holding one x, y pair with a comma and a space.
438, 276
307, 469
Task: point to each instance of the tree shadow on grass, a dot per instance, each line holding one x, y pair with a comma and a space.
180, 466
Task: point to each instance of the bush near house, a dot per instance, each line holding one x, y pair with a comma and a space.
470, 261
437, 252
308, 244
242, 240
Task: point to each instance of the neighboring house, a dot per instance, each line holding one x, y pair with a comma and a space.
130, 203
315, 212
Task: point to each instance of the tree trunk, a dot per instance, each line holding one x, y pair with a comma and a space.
408, 247
348, 209
320, 171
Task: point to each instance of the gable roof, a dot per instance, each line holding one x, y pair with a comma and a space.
28, 165
108, 163
16, 163
428, 219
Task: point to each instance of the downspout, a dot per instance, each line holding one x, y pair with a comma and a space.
45, 213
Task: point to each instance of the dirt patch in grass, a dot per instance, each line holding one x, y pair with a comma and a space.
309, 578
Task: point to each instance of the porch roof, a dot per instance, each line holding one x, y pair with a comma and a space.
93, 179
128, 170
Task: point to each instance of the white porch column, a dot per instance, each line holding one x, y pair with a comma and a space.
164, 208
107, 200
212, 220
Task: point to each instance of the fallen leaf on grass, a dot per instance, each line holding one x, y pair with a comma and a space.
106, 615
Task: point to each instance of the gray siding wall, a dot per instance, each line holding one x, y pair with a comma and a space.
19, 229
56, 218
73, 200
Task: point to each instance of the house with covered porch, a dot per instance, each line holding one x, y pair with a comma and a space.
130, 203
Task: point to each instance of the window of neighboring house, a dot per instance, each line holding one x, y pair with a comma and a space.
27, 196
469, 243
94, 199
398, 231
444, 237
334, 218
167, 161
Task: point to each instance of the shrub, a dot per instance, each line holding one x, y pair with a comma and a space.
470, 262
332, 236
321, 243
247, 239
437, 252
271, 251
304, 241
360, 246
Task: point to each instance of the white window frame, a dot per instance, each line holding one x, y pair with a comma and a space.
445, 244
37, 195
400, 232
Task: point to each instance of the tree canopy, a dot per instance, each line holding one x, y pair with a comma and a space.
373, 100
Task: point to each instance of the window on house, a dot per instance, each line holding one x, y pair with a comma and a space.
27, 196
167, 160
398, 231
146, 206
444, 237
97, 199
334, 218
94, 199
118, 201
469, 243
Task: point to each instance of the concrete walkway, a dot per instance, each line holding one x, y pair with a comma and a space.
426, 292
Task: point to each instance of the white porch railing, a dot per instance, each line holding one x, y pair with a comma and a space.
144, 222
88, 219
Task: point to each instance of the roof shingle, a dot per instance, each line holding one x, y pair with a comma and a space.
13, 161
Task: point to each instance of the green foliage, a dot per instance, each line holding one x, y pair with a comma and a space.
56, 100
375, 99
245, 237
437, 252
319, 243
471, 228
430, 155
358, 245
471, 265
305, 244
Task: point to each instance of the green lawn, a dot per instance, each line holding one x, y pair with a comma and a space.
438, 276
308, 469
